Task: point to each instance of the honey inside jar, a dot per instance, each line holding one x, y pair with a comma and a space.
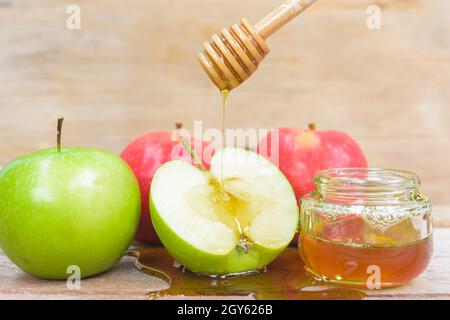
368, 228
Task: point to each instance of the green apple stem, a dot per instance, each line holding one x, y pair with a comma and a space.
58, 137
194, 156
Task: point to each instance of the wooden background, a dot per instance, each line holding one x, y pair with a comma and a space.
132, 68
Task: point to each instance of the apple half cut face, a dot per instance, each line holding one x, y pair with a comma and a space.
236, 218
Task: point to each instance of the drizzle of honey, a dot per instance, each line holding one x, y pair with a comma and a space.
285, 278
224, 93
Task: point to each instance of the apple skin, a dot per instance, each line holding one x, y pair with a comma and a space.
201, 262
77, 207
235, 261
145, 155
302, 153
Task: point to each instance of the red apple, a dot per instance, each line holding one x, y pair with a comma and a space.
304, 152
145, 155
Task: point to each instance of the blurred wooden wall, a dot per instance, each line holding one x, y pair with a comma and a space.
132, 68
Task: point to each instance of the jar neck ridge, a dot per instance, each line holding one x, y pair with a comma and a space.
367, 185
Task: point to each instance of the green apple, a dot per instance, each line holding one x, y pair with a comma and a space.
69, 207
236, 218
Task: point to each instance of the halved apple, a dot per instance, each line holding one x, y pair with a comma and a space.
236, 218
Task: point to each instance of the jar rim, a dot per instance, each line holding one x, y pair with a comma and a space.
372, 178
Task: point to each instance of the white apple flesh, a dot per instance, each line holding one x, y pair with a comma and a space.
229, 222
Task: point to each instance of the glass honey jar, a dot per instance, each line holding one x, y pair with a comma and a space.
366, 228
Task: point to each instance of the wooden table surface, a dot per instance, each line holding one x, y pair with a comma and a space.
131, 68
126, 282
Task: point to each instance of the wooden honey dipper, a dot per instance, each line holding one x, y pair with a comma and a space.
233, 56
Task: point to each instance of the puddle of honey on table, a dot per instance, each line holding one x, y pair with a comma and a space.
285, 278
